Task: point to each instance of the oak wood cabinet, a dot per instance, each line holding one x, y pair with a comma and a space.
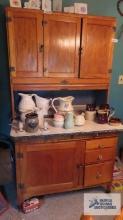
25, 39
57, 166
49, 167
97, 46
61, 45
59, 50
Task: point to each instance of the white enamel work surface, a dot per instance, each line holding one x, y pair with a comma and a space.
88, 127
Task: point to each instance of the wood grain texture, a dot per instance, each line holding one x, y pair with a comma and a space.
50, 167
100, 155
97, 45
58, 166
61, 45
69, 46
101, 143
25, 38
98, 173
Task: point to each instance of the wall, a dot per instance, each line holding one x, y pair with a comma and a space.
95, 7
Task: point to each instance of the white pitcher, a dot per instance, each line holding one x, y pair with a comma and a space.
42, 104
26, 103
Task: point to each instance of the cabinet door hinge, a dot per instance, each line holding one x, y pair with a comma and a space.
19, 155
20, 185
110, 71
8, 19
12, 69
114, 29
44, 22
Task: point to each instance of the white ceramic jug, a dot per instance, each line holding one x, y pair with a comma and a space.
26, 103
65, 104
42, 104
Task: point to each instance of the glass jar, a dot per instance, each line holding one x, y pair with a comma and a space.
31, 122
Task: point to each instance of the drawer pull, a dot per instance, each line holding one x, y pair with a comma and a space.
98, 175
100, 146
79, 166
100, 157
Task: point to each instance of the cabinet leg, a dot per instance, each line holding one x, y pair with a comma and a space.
107, 187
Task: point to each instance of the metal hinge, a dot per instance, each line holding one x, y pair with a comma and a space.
12, 69
44, 22
114, 29
19, 155
20, 185
8, 19
110, 71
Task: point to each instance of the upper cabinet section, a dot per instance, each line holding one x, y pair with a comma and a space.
97, 45
61, 45
25, 39
59, 50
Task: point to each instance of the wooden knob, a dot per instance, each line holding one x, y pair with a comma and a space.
98, 175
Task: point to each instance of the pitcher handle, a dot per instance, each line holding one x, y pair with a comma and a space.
52, 104
111, 113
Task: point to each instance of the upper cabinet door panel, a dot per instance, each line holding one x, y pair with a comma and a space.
61, 45
96, 57
25, 39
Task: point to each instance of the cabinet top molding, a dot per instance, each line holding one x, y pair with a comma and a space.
61, 13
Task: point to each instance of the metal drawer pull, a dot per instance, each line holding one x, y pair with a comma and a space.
100, 146
100, 157
64, 82
79, 166
98, 175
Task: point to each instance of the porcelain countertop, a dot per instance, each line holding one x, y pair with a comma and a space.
89, 128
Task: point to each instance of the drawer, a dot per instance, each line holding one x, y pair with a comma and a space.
99, 155
98, 174
101, 143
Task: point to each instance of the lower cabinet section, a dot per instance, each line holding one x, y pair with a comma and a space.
49, 167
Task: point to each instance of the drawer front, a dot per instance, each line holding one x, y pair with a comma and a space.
98, 174
101, 143
99, 155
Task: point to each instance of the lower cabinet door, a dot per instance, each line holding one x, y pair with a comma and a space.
50, 167
98, 173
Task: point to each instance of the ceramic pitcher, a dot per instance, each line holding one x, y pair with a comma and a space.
26, 103
42, 104
65, 104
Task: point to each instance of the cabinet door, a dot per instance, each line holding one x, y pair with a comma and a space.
97, 48
25, 38
50, 167
61, 45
